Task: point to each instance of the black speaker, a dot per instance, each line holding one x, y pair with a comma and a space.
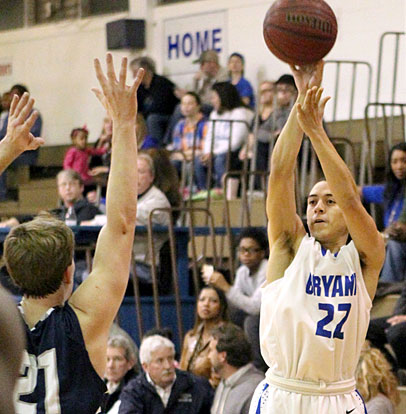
126, 34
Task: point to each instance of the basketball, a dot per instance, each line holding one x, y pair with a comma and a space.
300, 32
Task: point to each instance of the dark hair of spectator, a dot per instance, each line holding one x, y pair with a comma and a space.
165, 332
21, 89
144, 62
239, 56
166, 177
256, 234
75, 131
223, 313
229, 96
232, 340
196, 96
286, 80
393, 185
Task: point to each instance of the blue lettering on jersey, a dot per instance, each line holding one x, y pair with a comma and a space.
331, 285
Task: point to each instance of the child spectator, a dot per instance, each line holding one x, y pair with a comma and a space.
77, 157
189, 133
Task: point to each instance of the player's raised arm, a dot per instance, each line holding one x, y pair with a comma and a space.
18, 137
97, 300
281, 205
360, 224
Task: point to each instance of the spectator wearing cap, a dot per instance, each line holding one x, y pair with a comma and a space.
156, 98
236, 64
210, 72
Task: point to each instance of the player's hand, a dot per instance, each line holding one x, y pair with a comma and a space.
119, 100
20, 121
397, 231
394, 320
307, 76
310, 112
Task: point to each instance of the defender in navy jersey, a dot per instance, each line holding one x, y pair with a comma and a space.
67, 333
314, 319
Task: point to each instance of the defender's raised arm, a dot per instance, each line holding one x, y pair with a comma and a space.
97, 300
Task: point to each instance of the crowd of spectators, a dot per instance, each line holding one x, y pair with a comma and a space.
211, 130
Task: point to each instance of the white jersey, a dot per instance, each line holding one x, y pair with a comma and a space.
314, 322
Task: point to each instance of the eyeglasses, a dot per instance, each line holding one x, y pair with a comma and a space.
249, 250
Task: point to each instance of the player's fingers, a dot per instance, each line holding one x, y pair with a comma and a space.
21, 104
111, 75
31, 120
323, 102
100, 75
137, 81
319, 92
99, 94
36, 142
13, 104
26, 110
123, 71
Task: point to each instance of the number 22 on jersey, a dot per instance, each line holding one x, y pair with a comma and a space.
342, 308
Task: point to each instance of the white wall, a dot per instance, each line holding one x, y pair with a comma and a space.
55, 61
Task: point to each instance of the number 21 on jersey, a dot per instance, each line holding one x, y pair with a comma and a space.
28, 382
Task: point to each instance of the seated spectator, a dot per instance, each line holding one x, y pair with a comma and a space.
236, 64
391, 194
211, 312
156, 98
161, 388
376, 382
77, 157
70, 190
210, 72
166, 177
27, 157
189, 133
74, 205
391, 330
149, 198
121, 361
244, 296
230, 356
222, 134
265, 110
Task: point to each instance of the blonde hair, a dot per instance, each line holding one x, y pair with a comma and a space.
37, 254
374, 375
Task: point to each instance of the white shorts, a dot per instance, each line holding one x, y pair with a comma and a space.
268, 399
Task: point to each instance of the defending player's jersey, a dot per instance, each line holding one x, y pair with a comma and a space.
319, 312
57, 376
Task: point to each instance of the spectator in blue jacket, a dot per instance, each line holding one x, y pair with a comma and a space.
391, 195
161, 388
236, 64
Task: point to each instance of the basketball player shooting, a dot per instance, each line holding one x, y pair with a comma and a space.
314, 319
66, 333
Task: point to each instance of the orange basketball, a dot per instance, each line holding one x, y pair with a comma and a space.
300, 31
